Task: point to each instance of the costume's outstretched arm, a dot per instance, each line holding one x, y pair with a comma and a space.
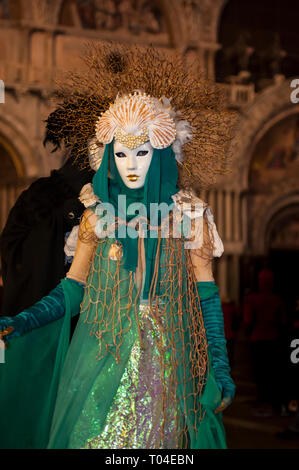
213, 318
52, 306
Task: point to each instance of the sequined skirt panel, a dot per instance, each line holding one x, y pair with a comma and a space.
141, 416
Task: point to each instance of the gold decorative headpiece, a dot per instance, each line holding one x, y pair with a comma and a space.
135, 119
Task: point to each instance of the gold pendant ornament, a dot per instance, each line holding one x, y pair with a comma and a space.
115, 251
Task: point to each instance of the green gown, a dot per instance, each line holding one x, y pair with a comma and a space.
57, 396
110, 392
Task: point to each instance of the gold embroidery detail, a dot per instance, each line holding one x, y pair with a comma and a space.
130, 140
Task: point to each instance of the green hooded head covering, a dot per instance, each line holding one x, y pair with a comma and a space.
160, 184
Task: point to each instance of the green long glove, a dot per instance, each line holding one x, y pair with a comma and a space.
47, 310
213, 320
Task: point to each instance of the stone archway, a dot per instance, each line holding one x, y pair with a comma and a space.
22, 153
272, 178
262, 204
283, 229
270, 107
11, 177
17, 165
276, 214
10, 163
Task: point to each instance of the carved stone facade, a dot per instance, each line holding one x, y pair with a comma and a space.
39, 39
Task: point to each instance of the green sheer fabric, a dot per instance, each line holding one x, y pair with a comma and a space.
211, 433
70, 389
30, 376
36, 366
89, 386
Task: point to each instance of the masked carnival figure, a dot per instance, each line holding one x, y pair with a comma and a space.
147, 365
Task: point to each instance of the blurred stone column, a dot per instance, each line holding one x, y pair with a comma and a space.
235, 278
222, 275
228, 215
219, 215
212, 200
236, 215
243, 222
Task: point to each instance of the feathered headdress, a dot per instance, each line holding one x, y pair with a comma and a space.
135, 95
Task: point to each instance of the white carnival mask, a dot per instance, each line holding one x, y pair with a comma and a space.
133, 164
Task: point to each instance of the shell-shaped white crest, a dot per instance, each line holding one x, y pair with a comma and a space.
132, 113
162, 131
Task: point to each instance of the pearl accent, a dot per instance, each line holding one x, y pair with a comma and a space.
130, 140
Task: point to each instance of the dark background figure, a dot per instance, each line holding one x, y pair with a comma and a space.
32, 242
264, 319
